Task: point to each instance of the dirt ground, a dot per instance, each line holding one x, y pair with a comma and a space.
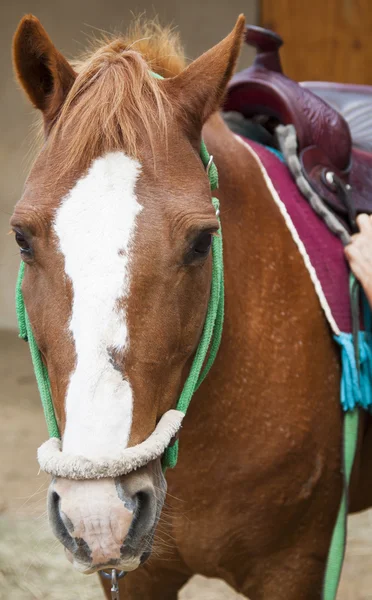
32, 564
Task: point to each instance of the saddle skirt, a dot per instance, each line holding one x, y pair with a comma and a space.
323, 256
320, 249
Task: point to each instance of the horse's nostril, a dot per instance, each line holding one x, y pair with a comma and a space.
61, 526
54, 505
144, 516
142, 501
55, 498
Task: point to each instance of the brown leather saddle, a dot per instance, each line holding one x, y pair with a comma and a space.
333, 124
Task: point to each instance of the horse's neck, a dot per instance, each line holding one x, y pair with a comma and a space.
269, 294
255, 235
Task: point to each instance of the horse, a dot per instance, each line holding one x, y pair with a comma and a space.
115, 227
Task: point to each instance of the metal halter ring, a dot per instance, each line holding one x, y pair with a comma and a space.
209, 164
207, 169
114, 576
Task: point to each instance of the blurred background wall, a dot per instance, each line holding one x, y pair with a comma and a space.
325, 40
69, 22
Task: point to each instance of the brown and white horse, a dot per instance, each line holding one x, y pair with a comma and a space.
115, 227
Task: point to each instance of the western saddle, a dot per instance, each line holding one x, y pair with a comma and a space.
333, 124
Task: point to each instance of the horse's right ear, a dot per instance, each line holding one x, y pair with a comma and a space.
42, 71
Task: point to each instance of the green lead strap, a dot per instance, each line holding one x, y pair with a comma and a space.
350, 437
337, 548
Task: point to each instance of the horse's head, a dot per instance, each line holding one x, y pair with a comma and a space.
115, 227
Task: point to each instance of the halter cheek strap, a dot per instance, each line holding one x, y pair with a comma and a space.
50, 455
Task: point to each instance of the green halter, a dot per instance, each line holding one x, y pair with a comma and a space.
205, 353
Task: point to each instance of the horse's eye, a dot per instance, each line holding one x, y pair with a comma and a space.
22, 243
200, 247
203, 244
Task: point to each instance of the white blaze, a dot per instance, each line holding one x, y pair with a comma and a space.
95, 224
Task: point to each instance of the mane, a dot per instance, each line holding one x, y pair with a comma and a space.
115, 101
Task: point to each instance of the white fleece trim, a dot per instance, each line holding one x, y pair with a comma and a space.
70, 466
296, 238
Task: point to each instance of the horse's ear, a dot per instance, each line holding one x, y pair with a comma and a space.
199, 90
42, 71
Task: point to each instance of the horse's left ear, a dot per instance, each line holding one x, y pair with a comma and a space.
42, 71
200, 88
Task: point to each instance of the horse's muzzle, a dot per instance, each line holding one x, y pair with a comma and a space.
107, 523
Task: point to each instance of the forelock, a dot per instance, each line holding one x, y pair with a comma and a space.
115, 102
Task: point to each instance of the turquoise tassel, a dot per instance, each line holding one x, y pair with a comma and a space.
356, 390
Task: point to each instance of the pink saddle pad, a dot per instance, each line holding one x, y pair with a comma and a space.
321, 250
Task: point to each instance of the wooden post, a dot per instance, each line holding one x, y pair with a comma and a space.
325, 40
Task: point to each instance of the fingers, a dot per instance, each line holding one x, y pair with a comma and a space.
364, 223
353, 253
363, 238
359, 253
359, 266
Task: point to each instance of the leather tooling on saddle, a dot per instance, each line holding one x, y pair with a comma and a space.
331, 158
